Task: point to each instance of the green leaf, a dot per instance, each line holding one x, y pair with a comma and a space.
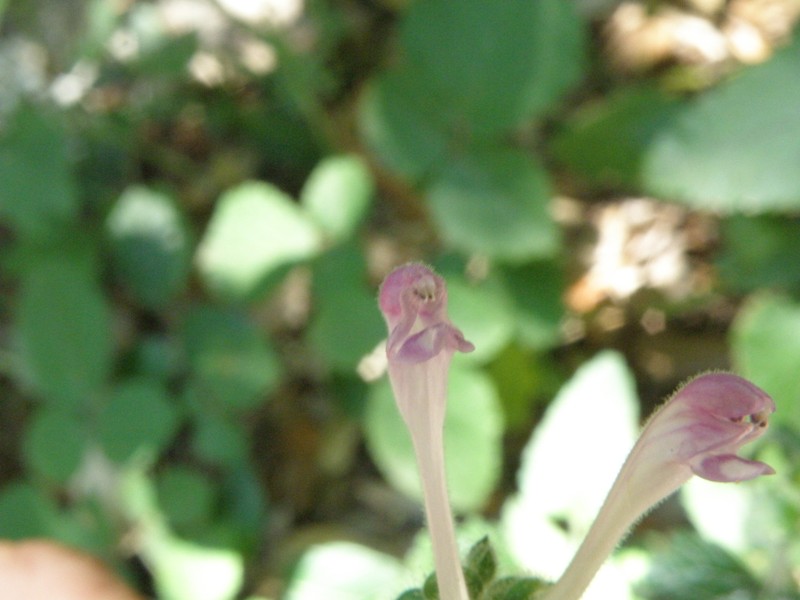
758, 252
571, 461
25, 512
472, 437
187, 571
64, 327
765, 340
735, 148
54, 444
398, 126
537, 290
492, 65
255, 229
693, 568
231, 361
337, 195
149, 245
606, 141
484, 314
38, 194
185, 495
515, 588
346, 323
343, 571
218, 440
482, 562
494, 202
139, 415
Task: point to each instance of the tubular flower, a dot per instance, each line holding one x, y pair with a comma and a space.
421, 344
697, 432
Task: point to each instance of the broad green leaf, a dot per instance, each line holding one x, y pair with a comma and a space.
232, 363
149, 245
25, 512
472, 437
484, 314
181, 570
337, 195
694, 568
54, 444
758, 252
606, 141
184, 570
344, 571
38, 194
570, 463
185, 495
255, 229
401, 127
65, 331
218, 440
765, 342
491, 65
730, 149
735, 148
346, 323
139, 416
537, 290
494, 202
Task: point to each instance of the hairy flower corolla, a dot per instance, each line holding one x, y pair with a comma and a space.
698, 431
420, 347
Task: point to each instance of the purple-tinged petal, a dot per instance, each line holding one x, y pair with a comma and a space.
730, 468
698, 431
413, 300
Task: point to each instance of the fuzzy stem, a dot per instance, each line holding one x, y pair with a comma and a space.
429, 449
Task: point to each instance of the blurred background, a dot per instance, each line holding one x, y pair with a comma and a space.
199, 198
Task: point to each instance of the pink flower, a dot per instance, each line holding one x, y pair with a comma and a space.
697, 432
421, 345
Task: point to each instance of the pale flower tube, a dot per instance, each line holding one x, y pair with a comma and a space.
421, 344
697, 432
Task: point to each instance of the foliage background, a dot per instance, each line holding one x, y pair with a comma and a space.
199, 198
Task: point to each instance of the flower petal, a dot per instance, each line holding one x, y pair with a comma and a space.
729, 467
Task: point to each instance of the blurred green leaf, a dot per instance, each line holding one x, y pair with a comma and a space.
400, 125
343, 571
25, 512
54, 444
185, 495
731, 149
571, 461
492, 65
765, 342
64, 326
514, 588
472, 437
149, 245
483, 312
232, 363
187, 571
606, 141
735, 148
218, 440
255, 229
345, 323
537, 290
494, 202
139, 415
694, 568
760, 252
38, 194
337, 195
